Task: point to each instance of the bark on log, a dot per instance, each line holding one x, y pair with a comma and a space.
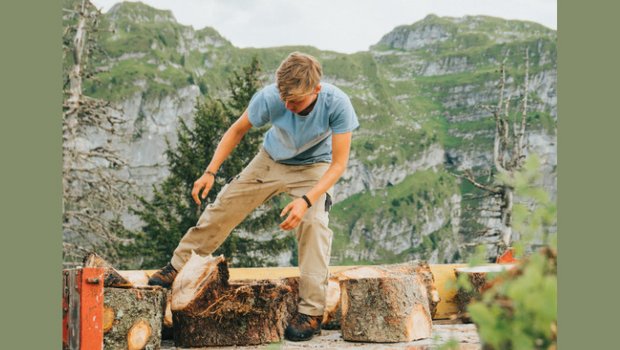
333, 314
112, 278
207, 310
481, 279
423, 271
385, 303
132, 318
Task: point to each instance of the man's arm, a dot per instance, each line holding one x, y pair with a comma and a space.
229, 141
341, 146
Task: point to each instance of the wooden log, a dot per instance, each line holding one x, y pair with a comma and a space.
139, 335
445, 281
332, 314
291, 299
207, 310
137, 278
200, 281
111, 278
132, 318
425, 276
167, 331
443, 275
385, 304
481, 278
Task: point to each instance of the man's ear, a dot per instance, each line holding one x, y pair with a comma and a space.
317, 88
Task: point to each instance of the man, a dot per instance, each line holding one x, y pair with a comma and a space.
304, 153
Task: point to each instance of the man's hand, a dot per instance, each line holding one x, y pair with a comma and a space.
297, 210
229, 141
205, 181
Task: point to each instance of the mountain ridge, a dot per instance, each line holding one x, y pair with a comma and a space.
417, 105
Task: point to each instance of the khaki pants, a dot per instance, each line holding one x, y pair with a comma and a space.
262, 179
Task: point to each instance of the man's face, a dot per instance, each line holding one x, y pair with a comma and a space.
298, 104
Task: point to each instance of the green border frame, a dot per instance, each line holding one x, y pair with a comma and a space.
30, 147
588, 57
31, 187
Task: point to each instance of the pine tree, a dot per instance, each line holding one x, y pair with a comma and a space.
172, 211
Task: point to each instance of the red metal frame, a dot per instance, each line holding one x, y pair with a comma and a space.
82, 303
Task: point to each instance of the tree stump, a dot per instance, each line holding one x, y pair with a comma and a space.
385, 303
132, 318
332, 315
481, 278
207, 310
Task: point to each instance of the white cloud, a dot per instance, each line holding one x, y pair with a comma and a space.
339, 25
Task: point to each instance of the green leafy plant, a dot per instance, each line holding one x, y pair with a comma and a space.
519, 310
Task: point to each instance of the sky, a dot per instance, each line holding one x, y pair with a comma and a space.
339, 25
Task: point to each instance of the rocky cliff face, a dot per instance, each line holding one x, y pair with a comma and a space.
407, 238
452, 60
360, 177
150, 125
417, 93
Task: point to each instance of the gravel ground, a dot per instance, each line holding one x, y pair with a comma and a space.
464, 334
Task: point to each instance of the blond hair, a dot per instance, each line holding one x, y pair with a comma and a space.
298, 75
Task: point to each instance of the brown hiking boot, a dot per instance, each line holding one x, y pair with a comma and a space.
164, 277
303, 327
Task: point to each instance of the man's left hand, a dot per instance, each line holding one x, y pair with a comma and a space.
297, 209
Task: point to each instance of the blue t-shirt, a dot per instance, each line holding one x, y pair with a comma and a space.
297, 139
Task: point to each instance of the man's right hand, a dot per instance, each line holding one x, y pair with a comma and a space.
231, 138
204, 183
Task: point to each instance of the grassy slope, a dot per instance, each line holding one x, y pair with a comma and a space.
409, 200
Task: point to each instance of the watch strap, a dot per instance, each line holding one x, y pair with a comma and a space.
307, 200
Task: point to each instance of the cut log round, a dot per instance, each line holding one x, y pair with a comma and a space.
384, 304
108, 319
138, 335
332, 314
133, 318
209, 311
